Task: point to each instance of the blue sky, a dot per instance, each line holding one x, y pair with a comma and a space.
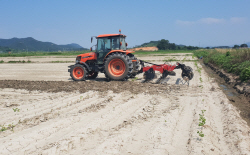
188, 22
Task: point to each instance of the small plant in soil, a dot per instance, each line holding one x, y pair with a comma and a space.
202, 122
198, 68
16, 109
201, 79
134, 79
11, 126
3, 128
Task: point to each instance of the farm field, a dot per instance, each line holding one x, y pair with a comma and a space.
44, 112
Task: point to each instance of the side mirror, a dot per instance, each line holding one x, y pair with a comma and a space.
126, 44
91, 39
90, 49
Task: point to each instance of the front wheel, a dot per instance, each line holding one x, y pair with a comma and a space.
78, 72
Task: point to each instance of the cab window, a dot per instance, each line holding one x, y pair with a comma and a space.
123, 46
115, 43
103, 44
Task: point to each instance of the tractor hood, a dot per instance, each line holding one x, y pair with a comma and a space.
86, 56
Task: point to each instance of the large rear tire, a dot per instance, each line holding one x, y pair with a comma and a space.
118, 66
78, 72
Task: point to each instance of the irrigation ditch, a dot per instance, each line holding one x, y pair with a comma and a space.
237, 92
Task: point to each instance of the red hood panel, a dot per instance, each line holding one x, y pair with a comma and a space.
88, 56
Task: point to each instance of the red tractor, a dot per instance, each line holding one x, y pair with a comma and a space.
117, 63
111, 58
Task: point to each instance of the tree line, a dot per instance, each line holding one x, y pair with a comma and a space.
240, 46
166, 45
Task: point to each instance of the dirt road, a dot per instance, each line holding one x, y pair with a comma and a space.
99, 117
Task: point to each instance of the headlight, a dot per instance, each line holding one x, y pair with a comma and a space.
78, 58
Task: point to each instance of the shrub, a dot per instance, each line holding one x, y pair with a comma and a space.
235, 61
245, 74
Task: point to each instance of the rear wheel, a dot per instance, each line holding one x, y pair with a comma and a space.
78, 72
118, 66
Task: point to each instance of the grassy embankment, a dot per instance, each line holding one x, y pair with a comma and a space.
236, 61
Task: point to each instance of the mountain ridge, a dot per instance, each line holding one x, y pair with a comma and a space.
31, 44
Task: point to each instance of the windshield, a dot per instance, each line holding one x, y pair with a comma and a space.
103, 45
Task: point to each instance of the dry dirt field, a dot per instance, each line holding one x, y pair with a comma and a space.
44, 112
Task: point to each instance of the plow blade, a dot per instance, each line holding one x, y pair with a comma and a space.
164, 75
187, 73
166, 70
149, 75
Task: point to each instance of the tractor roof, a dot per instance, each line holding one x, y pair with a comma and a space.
110, 35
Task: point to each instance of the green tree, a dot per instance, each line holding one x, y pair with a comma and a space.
172, 46
189, 47
243, 45
163, 45
236, 46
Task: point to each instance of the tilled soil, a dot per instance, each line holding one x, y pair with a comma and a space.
82, 87
118, 117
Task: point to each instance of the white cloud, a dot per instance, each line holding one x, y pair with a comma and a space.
201, 21
211, 21
237, 19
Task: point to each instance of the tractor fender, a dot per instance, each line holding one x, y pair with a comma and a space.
118, 51
82, 63
86, 65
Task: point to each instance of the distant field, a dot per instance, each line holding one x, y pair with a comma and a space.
24, 54
162, 52
68, 53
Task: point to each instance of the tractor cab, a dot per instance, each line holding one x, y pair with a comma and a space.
108, 43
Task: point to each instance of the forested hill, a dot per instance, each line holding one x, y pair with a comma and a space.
153, 43
31, 44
